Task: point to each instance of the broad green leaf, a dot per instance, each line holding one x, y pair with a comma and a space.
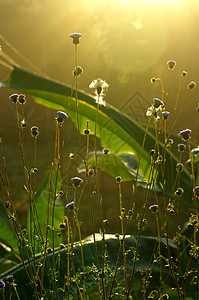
145, 262
124, 165
6, 234
41, 200
115, 130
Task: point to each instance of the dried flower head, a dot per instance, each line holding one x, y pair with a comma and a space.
76, 181
191, 85
22, 99
70, 205
171, 64
157, 103
106, 151
154, 208
181, 147
34, 131
185, 134
184, 73
165, 114
75, 37
14, 97
79, 71
179, 192
153, 80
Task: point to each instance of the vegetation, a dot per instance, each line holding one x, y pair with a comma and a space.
51, 259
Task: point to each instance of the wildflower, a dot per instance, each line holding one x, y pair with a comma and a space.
76, 181
185, 134
62, 225
22, 99
151, 152
75, 37
106, 151
2, 284
184, 73
179, 192
154, 208
100, 88
70, 205
79, 71
9, 278
181, 147
157, 103
14, 97
61, 116
192, 85
34, 131
165, 114
171, 64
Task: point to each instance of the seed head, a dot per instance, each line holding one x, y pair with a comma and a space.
165, 114
153, 80
70, 205
22, 99
100, 89
34, 131
90, 172
106, 151
192, 85
179, 167
169, 142
14, 97
196, 191
181, 147
61, 116
86, 131
185, 134
118, 179
79, 71
154, 208
179, 192
171, 64
75, 37
76, 181
184, 73
157, 103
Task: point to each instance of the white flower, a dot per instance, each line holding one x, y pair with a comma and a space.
100, 88
75, 37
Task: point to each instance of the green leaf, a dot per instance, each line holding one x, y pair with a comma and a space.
115, 130
145, 262
6, 234
41, 200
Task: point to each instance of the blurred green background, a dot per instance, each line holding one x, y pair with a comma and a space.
126, 43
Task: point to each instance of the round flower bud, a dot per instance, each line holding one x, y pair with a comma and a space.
185, 134
171, 64
118, 179
75, 37
165, 114
196, 191
157, 103
62, 225
22, 99
79, 71
77, 181
86, 131
34, 131
184, 73
179, 167
90, 172
169, 142
14, 97
192, 85
153, 80
179, 192
152, 152
154, 208
181, 147
106, 151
